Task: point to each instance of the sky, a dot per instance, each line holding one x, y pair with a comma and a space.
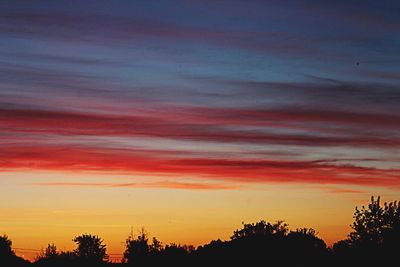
191, 117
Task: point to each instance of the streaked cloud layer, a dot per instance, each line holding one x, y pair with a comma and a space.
249, 92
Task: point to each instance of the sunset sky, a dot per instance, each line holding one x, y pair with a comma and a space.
189, 117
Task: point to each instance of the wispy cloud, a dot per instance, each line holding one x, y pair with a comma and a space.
219, 125
165, 184
233, 170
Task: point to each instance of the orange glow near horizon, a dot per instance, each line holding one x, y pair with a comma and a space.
185, 216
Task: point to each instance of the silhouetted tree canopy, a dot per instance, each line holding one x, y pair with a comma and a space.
375, 239
176, 250
49, 253
50, 257
7, 255
138, 248
376, 225
265, 243
6, 247
261, 228
90, 248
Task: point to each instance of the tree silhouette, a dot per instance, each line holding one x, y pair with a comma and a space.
176, 255
264, 242
261, 228
49, 253
138, 249
391, 229
368, 225
306, 247
376, 225
375, 237
7, 255
6, 247
90, 249
176, 250
49, 257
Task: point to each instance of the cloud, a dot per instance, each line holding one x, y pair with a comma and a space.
217, 125
346, 191
108, 30
121, 161
165, 184
62, 85
318, 92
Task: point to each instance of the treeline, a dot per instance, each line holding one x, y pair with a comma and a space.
373, 241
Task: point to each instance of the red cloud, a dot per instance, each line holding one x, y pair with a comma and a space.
219, 125
212, 125
156, 163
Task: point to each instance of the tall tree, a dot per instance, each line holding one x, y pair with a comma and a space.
376, 225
